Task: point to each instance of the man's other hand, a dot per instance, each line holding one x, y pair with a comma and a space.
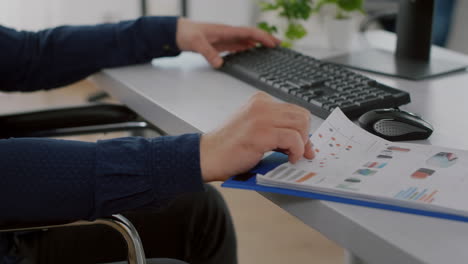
260, 126
211, 39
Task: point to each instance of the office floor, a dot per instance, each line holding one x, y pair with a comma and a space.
266, 234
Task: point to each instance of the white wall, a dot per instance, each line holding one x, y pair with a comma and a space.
26, 14
95, 11
233, 12
458, 39
38, 14
164, 7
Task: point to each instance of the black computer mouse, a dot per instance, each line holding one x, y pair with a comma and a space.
395, 124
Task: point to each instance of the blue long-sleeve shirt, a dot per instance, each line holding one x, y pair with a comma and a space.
55, 57
46, 179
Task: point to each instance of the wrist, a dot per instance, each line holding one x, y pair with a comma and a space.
209, 163
165, 44
180, 31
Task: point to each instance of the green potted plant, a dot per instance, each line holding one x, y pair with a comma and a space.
340, 26
343, 7
294, 12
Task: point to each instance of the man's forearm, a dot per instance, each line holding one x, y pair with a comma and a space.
59, 56
45, 179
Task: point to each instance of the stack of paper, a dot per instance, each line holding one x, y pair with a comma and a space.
352, 163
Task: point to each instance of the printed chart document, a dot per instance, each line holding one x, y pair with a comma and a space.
352, 163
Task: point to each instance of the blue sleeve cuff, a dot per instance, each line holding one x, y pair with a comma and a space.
153, 37
177, 164
123, 170
138, 172
166, 27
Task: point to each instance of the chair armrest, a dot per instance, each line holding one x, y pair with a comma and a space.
29, 123
136, 254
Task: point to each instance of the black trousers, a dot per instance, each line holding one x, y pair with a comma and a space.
196, 228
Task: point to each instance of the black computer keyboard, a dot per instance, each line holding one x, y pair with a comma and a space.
316, 85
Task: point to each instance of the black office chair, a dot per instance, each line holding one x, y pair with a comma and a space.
78, 120
75, 120
136, 254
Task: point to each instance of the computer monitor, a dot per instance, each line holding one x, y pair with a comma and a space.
412, 58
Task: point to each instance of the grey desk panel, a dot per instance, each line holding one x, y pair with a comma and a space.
380, 236
179, 95
184, 94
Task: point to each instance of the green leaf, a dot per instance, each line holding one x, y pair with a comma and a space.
295, 9
295, 31
346, 5
350, 5
286, 44
321, 3
268, 28
265, 6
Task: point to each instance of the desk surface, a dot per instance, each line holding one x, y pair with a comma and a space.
184, 94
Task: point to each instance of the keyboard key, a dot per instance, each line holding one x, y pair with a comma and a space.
292, 83
385, 96
277, 85
368, 96
294, 90
316, 102
330, 107
318, 92
349, 107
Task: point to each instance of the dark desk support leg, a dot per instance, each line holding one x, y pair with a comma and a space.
143, 8
350, 258
184, 8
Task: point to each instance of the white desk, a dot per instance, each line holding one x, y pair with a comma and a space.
184, 94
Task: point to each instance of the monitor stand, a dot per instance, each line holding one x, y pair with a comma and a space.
412, 59
386, 63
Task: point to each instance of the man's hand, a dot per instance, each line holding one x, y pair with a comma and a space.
260, 126
211, 39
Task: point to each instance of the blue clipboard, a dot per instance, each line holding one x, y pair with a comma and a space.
248, 181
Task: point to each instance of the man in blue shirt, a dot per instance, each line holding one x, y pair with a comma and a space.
53, 180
